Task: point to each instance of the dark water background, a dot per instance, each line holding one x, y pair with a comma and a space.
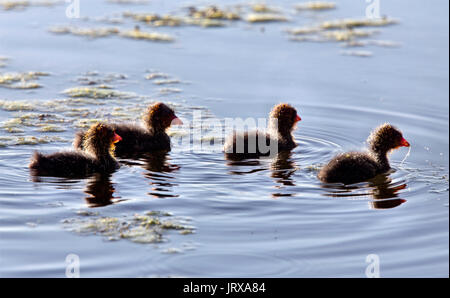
266, 219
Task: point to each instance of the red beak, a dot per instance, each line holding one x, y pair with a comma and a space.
116, 138
404, 143
298, 118
176, 121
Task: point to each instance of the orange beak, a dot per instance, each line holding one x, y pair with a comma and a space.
116, 138
298, 118
404, 143
176, 121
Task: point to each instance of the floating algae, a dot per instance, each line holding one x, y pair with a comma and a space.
346, 35
88, 32
265, 18
156, 75
204, 22
173, 21
136, 33
81, 107
97, 93
147, 228
21, 80
316, 5
332, 35
22, 4
28, 140
15, 105
351, 23
155, 19
303, 30
51, 128
344, 31
213, 12
13, 130
25, 85
13, 123
95, 78
261, 7
44, 122
166, 82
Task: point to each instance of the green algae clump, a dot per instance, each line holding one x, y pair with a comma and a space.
96, 93
261, 7
51, 128
88, 32
156, 75
21, 80
152, 36
15, 105
22, 4
265, 18
351, 23
28, 140
315, 5
346, 35
154, 19
139, 228
213, 12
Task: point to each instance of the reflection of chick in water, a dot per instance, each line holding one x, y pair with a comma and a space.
385, 194
156, 165
380, 188
100, 189
282, 168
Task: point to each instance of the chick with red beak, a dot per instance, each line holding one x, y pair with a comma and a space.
116, 138
98, 142
175, 120
404, 143
136, 140
352, 167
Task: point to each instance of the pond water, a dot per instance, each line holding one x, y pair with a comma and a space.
266, 218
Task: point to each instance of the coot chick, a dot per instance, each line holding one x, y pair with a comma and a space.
98, 156
138, 139
355, 167
254, 144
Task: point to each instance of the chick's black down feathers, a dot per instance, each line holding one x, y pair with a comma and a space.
355, 167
